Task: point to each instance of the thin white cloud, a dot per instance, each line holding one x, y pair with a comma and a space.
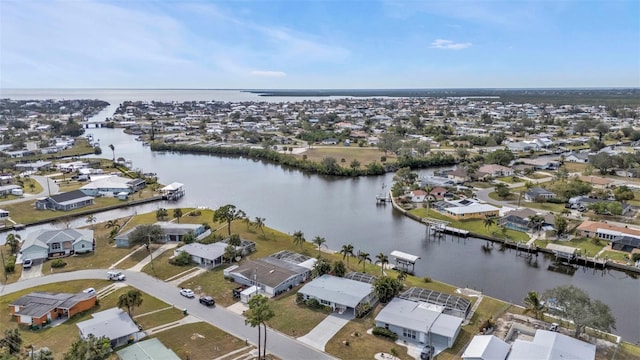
268, 73
449, 45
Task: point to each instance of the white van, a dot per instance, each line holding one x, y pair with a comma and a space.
115, 275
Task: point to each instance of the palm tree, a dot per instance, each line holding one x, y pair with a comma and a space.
113, 150
32, 186
111, 224
259, 222
131, 299
363, 257
347, 252
489, 221
91, 220
319, 241
382, 259
402, 275
177, 214
536, 222
534, 305
258, 314
298, 238
13, 242
161, 214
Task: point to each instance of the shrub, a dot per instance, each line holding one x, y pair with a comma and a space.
10, 265
384, 332
182, 259
426, 279
195, 213
313, 303
635, 257
58, 263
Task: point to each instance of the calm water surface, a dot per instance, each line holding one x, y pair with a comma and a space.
344, 211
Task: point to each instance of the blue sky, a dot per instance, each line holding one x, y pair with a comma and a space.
309, 44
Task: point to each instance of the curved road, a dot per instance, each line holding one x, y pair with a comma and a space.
51, 189
278, 344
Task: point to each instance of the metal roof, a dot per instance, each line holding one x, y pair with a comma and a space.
419, 316
151, 349
404, 256
112, 323
290, 257
337, 290
362, 277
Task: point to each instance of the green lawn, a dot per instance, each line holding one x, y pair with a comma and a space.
616, 256
200, 341
513, 196
293, 319
510, 179
586, 245
554, 208
537, 176
163, 269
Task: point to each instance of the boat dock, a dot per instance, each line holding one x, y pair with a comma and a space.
441, 226
384, 196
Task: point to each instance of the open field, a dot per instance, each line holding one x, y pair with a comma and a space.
365, 155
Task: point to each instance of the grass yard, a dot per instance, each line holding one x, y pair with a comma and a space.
293, 319
554, 208
25, 212
575, 167
137, 254
213, 283
586, 246
15, 275
475, 226
510, 179
163, 269
480, 184
537, 176
148, 321
199, 341
349, 153
617, 256
513, 196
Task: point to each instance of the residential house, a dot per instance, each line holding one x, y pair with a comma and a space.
109, 185
458, 175
465, 209
437, 193
417, 196
625, 243
541, 163
207, 255
420, 322
577, 158
622, 238
341, 294
171, 232
330, 141
65, 201
274, 274
538, 194
520, 220
152, 349
48, 243
551, 345
495, 170
486, 347
579, 202
40, 308
33, 166
9, 189
114, 324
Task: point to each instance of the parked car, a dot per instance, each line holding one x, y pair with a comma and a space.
207, 300
187, 293
27, 263
427, 352
89, 291
115, 275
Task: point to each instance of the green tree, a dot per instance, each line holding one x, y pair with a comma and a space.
43, 354
347, 252
230, 253
623, 194
321, 267
92, 348
574, 304
319, 242
130, 300
146, 234
258, 314
339, 269
12, 340
386, 288
228, 213
363, 257
534, 305
355, 164
502, 190
235, 240
259, 222
91, 219
489, 221
382, 259
389, 142
161, 214
13, 242
177, 214
298, 238
189, 237
502, 157
561, 224
536, 222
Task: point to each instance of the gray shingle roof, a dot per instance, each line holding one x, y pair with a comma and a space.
337, 290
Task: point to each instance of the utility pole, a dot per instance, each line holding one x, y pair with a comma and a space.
6, 277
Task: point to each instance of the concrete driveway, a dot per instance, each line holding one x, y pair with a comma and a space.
33, 272
323, 332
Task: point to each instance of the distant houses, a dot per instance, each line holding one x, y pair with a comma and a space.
65, 201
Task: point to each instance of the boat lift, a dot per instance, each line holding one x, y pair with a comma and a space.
403, 260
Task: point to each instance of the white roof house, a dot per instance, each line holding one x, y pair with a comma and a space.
550, 345
113, 323
418, 321
204, 254
109, 185
340, 293
486, 347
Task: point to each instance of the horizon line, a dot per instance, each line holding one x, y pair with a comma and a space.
331, 89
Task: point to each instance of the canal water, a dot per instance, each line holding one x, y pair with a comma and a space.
344, 210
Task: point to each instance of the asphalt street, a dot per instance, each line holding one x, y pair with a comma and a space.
278, 344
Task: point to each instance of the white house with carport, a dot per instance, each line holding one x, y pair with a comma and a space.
486, 347
550, 345
420, 322
341, 294
108, 186
171, 232
46, 243
207, 255
114, 324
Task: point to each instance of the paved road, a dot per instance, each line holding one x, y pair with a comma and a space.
278, 344
53, 188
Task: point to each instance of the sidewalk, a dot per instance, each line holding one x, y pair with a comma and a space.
155, 254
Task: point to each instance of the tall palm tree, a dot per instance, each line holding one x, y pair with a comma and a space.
298, 238
319, 241
113, 151
259, 222
91, 219
177, 214
131, 299
534, 305
111, 224
161, 214
382, 259
347, 252
536, 222
13, 242
489, 221
363, 257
